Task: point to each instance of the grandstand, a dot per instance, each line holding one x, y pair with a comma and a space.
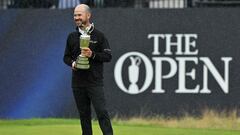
63, 4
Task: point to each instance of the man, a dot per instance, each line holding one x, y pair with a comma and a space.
87, 84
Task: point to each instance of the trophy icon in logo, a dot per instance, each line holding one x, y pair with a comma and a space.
133, 73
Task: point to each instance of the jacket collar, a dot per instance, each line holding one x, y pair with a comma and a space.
90, 29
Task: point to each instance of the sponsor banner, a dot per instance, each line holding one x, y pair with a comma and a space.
165, 62
171, 62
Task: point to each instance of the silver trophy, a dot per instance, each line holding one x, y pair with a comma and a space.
82, 62
133, 72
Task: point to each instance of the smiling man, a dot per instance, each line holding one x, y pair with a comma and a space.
87, 84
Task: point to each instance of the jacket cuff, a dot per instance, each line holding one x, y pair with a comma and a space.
93, 55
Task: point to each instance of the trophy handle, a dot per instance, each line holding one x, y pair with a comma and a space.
136, 61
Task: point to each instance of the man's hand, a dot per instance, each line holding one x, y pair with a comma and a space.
86, 52
73, 66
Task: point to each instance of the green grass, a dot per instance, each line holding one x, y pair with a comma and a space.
121, 127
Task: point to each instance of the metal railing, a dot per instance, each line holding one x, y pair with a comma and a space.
62, 4
6, 4
217, 3
167, 4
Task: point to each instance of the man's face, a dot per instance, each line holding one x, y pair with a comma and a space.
81, 16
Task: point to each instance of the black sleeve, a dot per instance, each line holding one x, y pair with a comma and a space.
68, 57
105, 55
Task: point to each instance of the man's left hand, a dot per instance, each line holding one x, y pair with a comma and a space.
87, 52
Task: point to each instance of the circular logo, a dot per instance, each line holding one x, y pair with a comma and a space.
136, 59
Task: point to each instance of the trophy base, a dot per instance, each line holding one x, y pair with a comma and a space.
82, 63
80, 66
81, 58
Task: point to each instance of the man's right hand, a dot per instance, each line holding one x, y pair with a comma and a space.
74, 66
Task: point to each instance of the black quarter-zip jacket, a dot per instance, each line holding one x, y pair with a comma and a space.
101, 53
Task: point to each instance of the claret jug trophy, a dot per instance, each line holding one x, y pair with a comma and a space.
82, 62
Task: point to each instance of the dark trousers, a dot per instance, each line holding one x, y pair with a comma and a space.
84, 96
